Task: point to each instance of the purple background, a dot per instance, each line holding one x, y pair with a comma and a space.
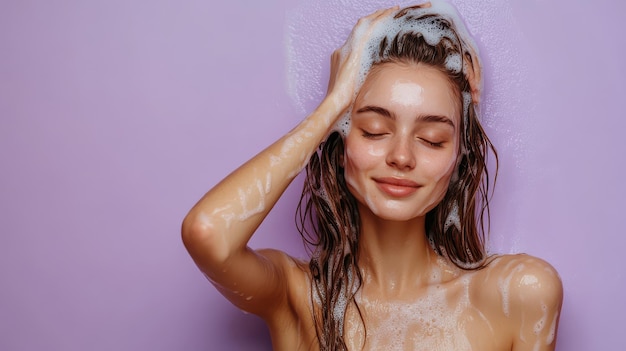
116, 116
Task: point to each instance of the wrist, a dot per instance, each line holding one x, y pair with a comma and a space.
336, 104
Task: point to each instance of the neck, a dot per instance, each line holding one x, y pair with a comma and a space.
395, 256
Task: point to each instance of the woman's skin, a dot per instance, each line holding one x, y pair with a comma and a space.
400, 154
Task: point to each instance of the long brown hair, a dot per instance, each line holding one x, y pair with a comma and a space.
328, 217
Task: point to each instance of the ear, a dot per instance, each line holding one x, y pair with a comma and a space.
341, 161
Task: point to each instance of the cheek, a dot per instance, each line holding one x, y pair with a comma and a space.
353, 163
361, 155
359, 158
375, 150
440, 168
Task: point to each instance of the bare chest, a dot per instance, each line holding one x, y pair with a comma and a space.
438, 319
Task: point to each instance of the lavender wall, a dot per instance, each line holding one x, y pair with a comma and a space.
116, 116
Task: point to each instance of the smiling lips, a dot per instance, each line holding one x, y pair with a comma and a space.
397, 187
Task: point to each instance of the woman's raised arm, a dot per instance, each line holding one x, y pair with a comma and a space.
217, 229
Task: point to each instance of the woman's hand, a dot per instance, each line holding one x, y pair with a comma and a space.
345, 62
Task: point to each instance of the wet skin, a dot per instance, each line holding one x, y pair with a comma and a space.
411, 299
400, 155
403, 144
512, 304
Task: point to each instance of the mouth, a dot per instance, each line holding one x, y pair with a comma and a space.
397, 187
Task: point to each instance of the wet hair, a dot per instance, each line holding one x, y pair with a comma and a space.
328, 216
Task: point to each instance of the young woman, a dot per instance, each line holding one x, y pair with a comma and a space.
392, 208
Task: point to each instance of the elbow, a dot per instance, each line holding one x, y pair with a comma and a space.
204, 242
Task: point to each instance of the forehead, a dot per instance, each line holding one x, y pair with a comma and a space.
434, 91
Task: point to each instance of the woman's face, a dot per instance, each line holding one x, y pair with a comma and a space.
402, 147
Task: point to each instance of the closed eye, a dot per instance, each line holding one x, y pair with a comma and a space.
369, 135
431, 143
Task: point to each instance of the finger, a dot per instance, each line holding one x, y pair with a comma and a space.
385, 13
391, 10
376, 14
366, 24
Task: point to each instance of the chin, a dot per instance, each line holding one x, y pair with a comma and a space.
399, 213
397, 218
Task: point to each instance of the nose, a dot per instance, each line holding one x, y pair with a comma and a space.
401, 154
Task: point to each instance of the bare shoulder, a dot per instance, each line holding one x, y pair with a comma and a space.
525, 293
526, 277
518, 279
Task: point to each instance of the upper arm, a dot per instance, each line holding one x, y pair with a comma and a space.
254, 281
536, 295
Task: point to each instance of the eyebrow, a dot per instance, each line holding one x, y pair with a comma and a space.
422, 118
378, 110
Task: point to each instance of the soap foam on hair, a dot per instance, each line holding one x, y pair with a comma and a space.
427, 21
